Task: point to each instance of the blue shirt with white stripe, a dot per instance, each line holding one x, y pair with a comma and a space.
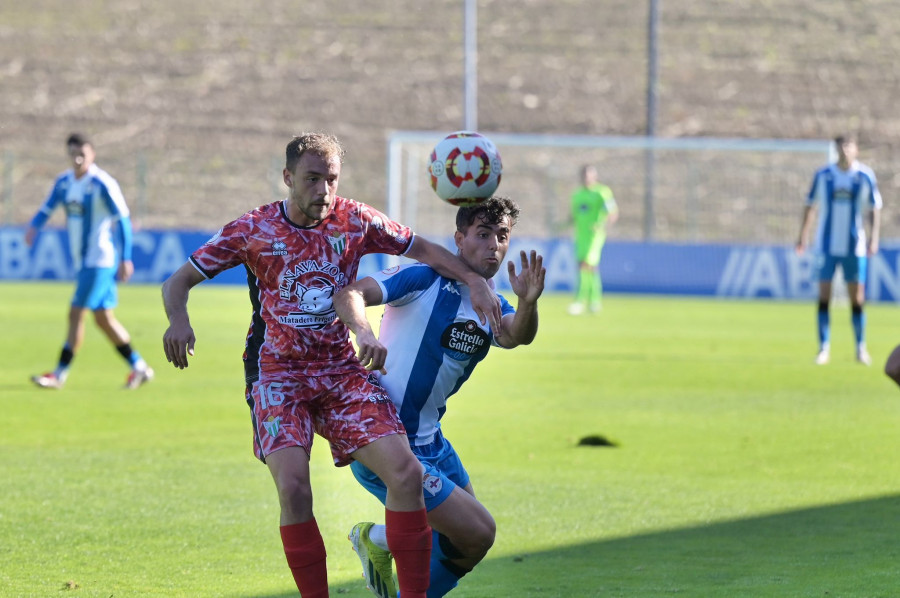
97, 217
434, 340
842, 197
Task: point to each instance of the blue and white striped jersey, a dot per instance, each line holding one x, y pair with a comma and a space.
434, 340
842, 197
97, 217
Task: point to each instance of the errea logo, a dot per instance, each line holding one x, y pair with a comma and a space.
279, 248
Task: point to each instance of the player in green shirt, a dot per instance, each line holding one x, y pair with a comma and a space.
593, 205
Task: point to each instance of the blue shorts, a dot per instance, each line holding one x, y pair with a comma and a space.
853, 267
443, 472
96, 289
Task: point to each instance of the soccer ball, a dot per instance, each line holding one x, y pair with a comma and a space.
465, 168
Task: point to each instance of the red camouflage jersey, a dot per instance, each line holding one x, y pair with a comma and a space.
293, 272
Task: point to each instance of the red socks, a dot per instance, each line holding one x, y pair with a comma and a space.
305, 552
409, 540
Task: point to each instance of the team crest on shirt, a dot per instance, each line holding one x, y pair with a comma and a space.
309, 288
272, 425
432, 484
465, 340
338, 242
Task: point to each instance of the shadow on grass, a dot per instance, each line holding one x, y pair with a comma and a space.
845, 550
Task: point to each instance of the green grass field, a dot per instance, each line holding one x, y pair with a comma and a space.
741, 469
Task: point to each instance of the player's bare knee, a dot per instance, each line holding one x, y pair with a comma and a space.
476, 547
477, 539
483, 538
405, 477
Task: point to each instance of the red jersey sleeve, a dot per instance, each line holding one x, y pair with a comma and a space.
225, 249
383, 235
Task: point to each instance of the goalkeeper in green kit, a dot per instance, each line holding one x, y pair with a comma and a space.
593, 205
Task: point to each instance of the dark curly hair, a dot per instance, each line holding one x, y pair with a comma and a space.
490, 211
78, 139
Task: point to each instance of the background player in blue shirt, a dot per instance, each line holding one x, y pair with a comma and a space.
842, 193
99, 228
430, 341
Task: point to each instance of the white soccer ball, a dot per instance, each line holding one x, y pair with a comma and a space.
465, 168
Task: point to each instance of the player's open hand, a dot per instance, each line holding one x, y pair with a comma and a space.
178, 343
126, 269
529, 283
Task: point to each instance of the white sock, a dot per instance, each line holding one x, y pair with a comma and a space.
378, 537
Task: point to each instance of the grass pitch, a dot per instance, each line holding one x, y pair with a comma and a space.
740, 468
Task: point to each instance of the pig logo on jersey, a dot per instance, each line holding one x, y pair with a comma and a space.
315, 300
465, 340
309, 287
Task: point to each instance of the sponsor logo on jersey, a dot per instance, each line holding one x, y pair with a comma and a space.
450, 287
432, 484
379, 397
74, 208
311, 286
279, 248
272, 425
464, 340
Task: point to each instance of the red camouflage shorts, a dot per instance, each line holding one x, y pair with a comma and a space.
350, 410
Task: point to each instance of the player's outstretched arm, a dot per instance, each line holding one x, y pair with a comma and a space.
521, 327
484, 300
350, 305
178, 340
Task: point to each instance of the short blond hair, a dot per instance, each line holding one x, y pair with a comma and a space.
321, 144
